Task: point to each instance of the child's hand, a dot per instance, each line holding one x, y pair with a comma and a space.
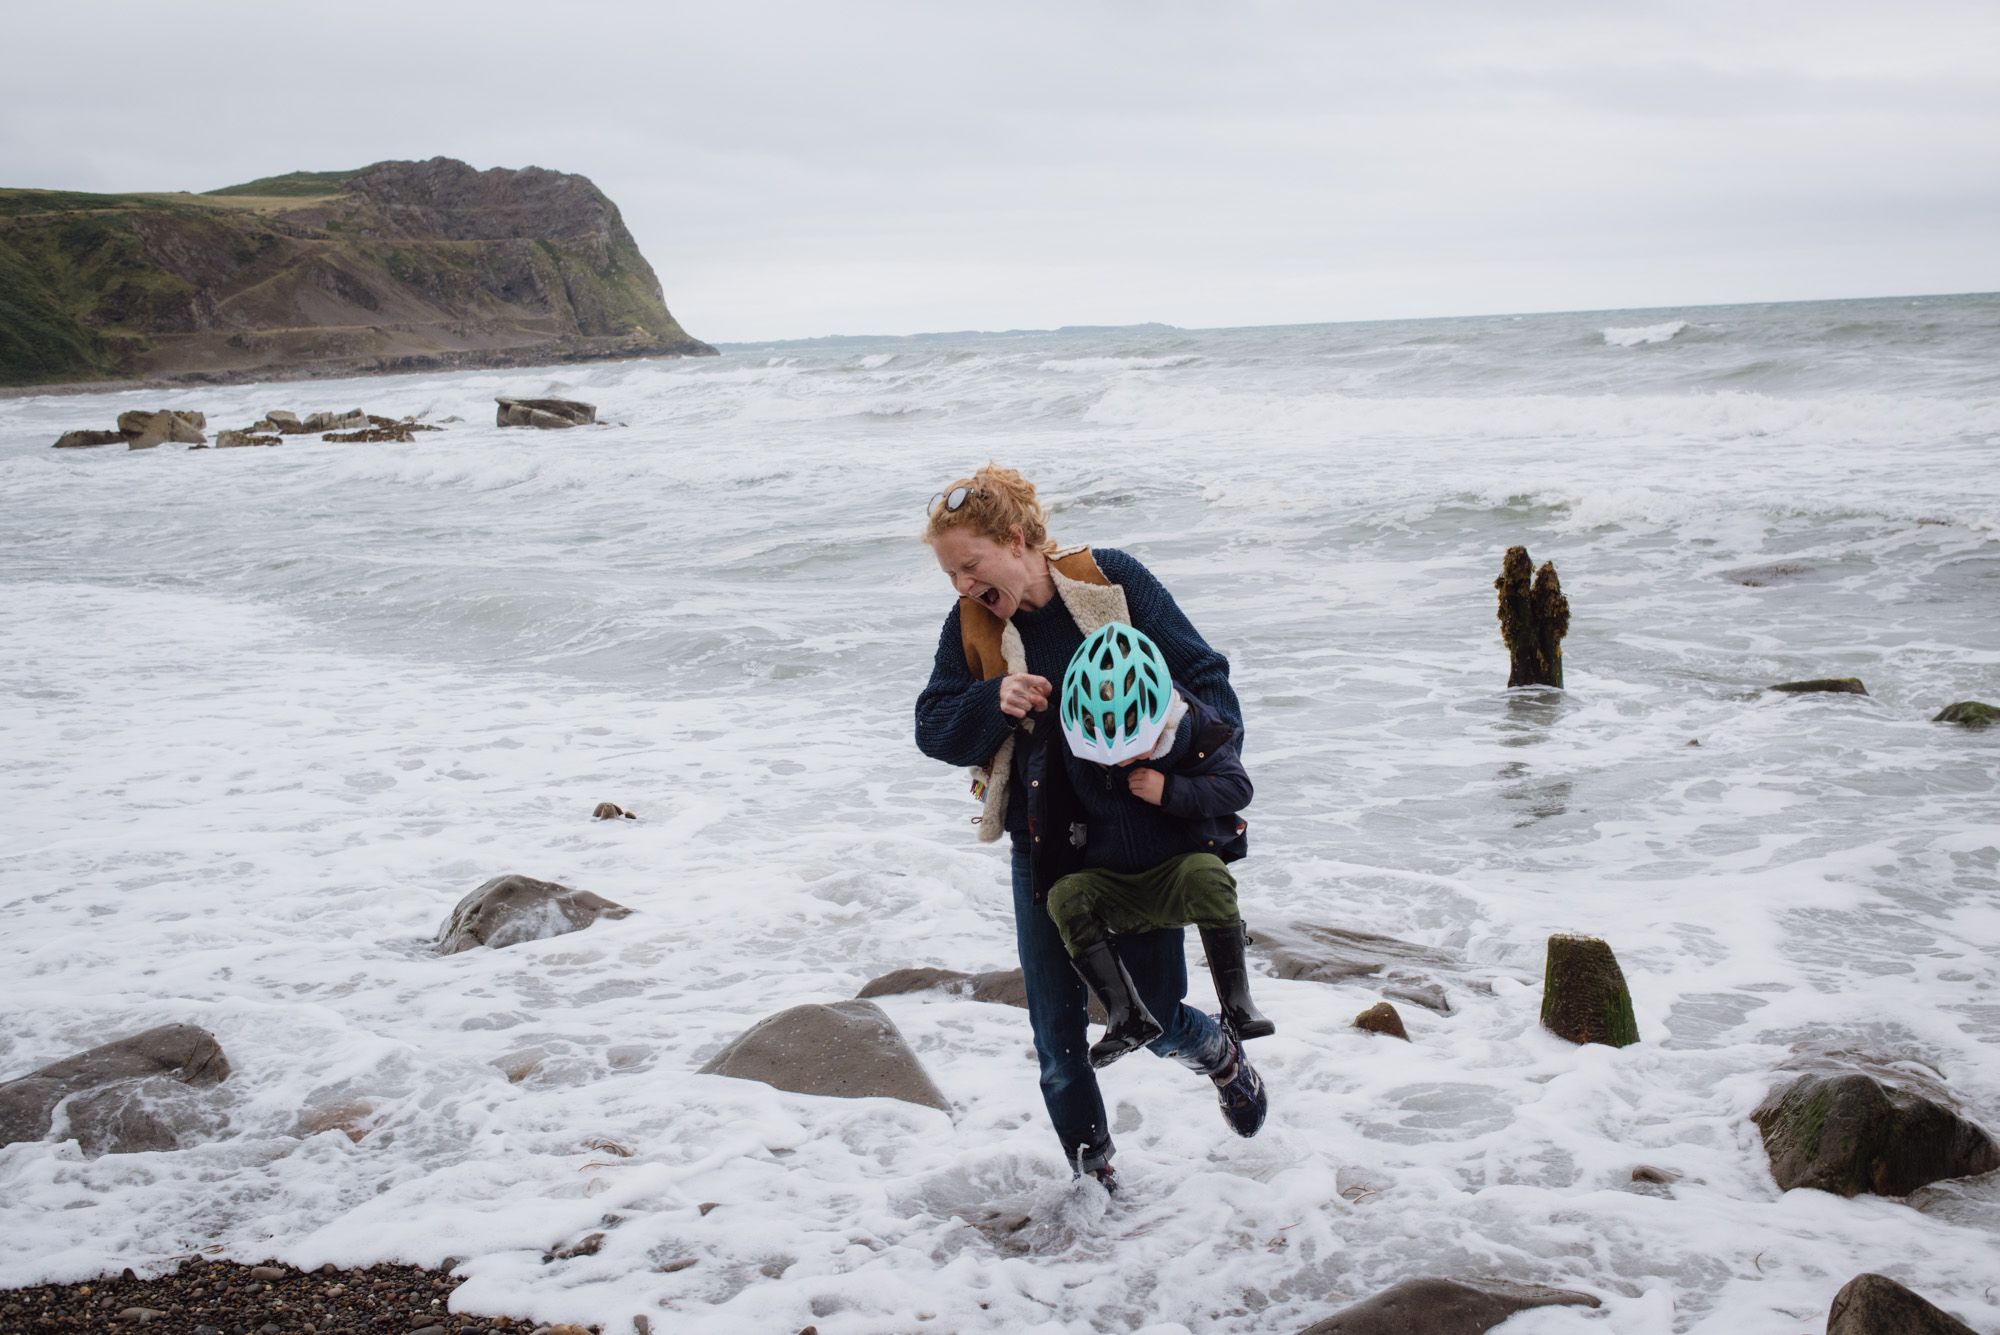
1148, 785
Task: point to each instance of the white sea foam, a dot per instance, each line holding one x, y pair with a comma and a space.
272, 712
1084, 365
1636, 335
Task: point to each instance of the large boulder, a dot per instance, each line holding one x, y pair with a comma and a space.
1970, 713
1822, 686
143, 430
847, 1050
549, 414
999, 987
71, 440
508, 910
122, 1097
1444, 1307
1881, 1129
1878, 1305
1400, 970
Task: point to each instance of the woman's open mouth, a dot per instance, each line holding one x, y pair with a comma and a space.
991, 597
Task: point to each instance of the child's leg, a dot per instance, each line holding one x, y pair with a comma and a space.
1072, 906
1204, 893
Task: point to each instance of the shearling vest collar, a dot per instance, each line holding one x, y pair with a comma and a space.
993, 649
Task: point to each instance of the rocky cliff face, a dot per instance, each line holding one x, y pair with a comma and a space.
398, 266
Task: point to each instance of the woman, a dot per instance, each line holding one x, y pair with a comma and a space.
1024, 605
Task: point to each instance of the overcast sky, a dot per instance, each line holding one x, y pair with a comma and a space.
802, 169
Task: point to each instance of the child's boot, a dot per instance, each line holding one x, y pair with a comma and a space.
1240, 1016
1132, 1025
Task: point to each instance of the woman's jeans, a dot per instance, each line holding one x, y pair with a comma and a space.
1057, 1012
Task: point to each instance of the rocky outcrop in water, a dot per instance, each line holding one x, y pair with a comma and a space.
1881, 1129
509, 910
1534, 618
1822, 686
1444, 1307
548, 414
1584, 996
1966, 713
1000, 987
1400, 970
1878, 1305
127, 1096
400, 266
848, 1050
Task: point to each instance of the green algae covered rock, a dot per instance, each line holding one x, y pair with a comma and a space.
1968, 713
1849, 1133
1584, 996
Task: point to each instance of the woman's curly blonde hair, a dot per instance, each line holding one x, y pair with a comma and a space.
998, 501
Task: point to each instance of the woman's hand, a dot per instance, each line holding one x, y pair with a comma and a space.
1023, 693
1148, 785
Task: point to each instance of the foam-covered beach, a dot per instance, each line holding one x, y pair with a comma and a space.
271, 713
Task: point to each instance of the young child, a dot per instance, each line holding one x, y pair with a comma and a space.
1146, 793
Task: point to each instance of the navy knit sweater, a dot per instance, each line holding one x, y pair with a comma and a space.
959, 719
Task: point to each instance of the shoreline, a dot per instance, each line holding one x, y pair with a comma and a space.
198, 380
210, 1297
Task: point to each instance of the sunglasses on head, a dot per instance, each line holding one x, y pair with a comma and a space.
952, 501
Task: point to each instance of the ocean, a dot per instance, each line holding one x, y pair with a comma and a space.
269, 713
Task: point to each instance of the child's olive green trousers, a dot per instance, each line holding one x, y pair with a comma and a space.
1194, 889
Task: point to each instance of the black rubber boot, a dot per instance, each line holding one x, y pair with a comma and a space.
1132, 1025
1240, 1016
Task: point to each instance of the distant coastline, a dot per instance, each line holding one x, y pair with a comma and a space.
397, 267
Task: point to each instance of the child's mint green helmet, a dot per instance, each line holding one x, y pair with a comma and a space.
1115, 695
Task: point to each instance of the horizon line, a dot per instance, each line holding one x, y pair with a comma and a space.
1321, 324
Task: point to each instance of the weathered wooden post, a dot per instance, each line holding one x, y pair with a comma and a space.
1584, 996
1534, 617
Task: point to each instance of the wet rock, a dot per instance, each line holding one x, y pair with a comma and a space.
140, 1315
849, 1050
1584, 996
1857, 1131
509, 910
286, 422
230, 440
1970, 713
589, 1245
135, 1116
268, 1272
1878, 1305
611, 811
1534, 617
1822, 686
354, 1118
1400, 970
142, 430
351, 420
114, 1089
1658, 1177
71, 440
1381, 1018
396, 432
1000, 987
548, 414
1444, 1307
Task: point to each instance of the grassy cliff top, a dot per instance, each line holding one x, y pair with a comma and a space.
292, 185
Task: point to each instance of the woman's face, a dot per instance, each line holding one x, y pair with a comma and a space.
978, 567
